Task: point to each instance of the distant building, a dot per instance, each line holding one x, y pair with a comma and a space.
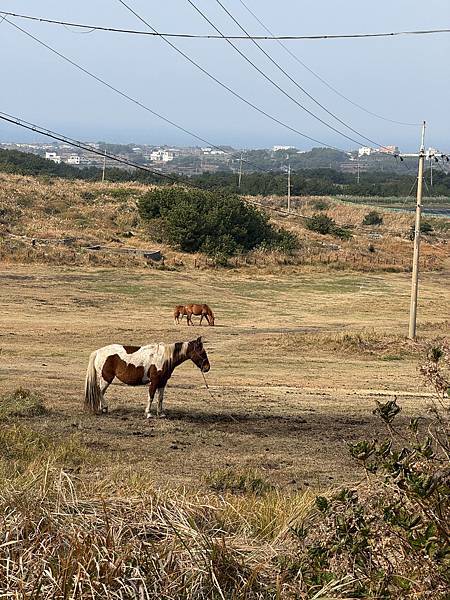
73, 159
53, 157
277, 148
161, 156
365, 151
389, 149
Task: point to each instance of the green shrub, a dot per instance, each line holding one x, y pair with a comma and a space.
342, 232
320, 205
425, 227
321, 224
372, 218
324, 225
217, 224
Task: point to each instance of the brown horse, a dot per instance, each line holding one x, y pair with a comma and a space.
201, 310
178, 313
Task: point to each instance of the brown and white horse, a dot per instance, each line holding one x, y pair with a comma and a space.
201, 310
138, 365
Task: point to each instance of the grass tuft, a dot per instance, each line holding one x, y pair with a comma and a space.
238, 482
22, 403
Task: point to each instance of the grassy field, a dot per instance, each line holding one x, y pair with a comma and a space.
298, 360
218, 500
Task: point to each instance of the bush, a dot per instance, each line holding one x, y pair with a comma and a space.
425, 227
321, 224
320, 205
217, 224
373, 218
324, 225
392, 534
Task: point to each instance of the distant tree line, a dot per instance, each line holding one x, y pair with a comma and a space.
323, 182
304, 182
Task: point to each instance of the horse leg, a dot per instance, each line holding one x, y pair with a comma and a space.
159, 406
189, 319
151, 395
104, 385
201, 318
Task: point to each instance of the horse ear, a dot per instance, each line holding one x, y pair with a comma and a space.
199, 340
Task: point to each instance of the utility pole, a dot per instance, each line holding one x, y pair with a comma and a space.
431, 171
415, 269
357, 170
240, 172
289, 188
104, 165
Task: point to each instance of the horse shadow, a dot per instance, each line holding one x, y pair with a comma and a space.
251, 423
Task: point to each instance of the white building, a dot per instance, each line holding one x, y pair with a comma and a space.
53, 157
161, 156
277, 148
73, 159
365, 151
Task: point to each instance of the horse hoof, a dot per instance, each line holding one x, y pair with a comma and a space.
148, 416
104, 410
161, 416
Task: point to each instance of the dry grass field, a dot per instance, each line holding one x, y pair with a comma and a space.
219, 500
298, 360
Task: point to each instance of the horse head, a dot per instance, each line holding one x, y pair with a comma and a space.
198, 355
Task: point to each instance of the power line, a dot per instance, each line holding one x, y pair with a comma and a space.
229, 37
329, 86
124, 94
77, 144
269, 79
292, 80
226, 87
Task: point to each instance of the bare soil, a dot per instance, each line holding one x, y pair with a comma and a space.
285, 397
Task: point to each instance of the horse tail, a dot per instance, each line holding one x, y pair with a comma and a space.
211, 314
92, 394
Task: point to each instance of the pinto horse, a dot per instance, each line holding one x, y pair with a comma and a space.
135, 365
201, 310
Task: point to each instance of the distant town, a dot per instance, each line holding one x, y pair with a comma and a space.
196, 160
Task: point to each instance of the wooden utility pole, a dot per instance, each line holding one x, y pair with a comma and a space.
415, 269
240, 172
104, 166
357, 176
289, 189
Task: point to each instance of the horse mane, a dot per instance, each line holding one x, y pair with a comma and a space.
172, 352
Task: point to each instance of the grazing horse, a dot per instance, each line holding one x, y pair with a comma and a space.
201, 310
178, 313
134, 365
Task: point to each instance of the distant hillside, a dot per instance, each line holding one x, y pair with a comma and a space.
304, 181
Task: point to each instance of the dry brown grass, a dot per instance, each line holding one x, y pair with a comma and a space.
48, 210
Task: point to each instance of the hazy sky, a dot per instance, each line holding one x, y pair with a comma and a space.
403, 78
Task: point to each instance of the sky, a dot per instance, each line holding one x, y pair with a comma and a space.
401, 78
